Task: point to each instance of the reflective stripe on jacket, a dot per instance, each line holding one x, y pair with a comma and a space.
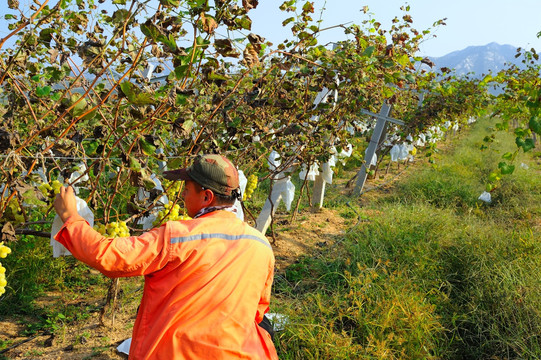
207, 285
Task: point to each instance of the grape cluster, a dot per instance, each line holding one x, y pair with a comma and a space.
169, 212
4, 251
50, 189
172, 188
113, 229
251, 185
15, 210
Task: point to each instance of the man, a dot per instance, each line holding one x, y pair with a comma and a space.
207, 280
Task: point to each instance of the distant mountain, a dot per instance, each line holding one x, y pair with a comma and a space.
478, 59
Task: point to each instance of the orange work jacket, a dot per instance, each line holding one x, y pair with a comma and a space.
207, 285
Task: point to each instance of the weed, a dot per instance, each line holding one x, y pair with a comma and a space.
33, 353
97, 351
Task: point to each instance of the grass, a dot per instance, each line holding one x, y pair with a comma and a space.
433, 273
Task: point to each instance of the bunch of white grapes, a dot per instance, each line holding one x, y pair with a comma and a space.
4, 251
251, 185
50, 189
113, 229
172, 188
16, 210
169, 212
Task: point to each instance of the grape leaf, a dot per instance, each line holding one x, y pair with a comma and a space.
505, 168
369, 51
535, 125
146, 147
526, 145
43, 91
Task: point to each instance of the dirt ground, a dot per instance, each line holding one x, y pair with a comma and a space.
85, 339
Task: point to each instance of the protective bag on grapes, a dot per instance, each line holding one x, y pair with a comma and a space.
286, 189
309, 174
143, 195
344, 153
421, 142
403, 154
243, 180
242, 184
288, 193
395, 151
326, 169
374, 160
84, 211
274, 160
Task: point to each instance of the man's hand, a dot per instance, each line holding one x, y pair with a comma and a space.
65, 203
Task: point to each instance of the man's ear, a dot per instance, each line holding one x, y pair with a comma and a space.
209, 196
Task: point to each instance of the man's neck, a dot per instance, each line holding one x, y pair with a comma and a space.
209, 209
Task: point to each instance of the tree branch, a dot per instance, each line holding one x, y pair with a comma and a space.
33, 232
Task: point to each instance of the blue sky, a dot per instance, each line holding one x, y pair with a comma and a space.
469, 22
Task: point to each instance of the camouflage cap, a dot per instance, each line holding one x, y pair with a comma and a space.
214, 172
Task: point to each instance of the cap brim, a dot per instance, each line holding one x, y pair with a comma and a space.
178, 174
